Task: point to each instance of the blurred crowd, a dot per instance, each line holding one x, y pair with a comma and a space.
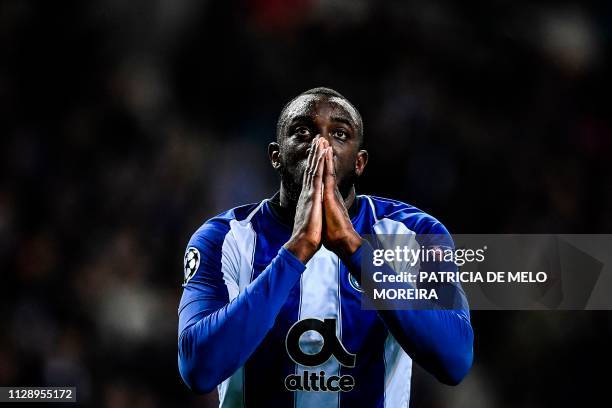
125, 125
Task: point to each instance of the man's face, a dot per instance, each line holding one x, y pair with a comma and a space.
328, 117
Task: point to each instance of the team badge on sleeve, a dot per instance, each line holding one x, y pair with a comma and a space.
354, 283
191, 263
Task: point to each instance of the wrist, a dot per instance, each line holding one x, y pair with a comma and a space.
301, 249
349, 245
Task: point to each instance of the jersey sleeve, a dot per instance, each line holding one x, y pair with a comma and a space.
440, 340
219, 326
203, 281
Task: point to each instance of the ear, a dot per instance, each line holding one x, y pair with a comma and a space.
274, 155
360, 162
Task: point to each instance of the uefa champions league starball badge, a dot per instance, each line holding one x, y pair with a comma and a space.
191, 263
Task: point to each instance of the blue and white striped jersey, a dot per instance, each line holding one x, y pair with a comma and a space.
269, 331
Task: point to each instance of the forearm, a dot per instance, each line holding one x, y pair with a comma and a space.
217, 344
439, 340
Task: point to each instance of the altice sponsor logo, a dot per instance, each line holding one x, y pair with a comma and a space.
318, 380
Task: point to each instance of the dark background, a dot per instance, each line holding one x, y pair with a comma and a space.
125, 124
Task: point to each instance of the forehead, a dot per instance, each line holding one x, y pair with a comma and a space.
321, 106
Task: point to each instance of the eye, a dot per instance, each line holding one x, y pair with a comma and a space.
302, 131
340, 134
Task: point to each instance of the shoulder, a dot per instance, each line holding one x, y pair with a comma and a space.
214, 230
205, 248
388, 211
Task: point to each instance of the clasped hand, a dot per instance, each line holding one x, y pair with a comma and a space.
321, 218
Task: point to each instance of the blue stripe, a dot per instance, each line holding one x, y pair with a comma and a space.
364, 334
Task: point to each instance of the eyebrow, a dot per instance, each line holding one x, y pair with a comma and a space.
308, 119
300, 118
343, 120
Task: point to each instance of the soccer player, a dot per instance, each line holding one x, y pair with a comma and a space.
271, 309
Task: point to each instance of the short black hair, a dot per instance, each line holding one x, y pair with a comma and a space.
321, 90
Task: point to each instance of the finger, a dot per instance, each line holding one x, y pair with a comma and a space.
324, 143
311, 161
315, 159
318, 172
312, 157
329, 177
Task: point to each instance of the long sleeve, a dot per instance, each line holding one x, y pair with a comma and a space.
217, 336
439, 340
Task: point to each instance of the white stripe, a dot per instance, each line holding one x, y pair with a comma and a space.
398, 373
231, 391
391, 234
398, 365
320, 299
387, 226
237, 257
